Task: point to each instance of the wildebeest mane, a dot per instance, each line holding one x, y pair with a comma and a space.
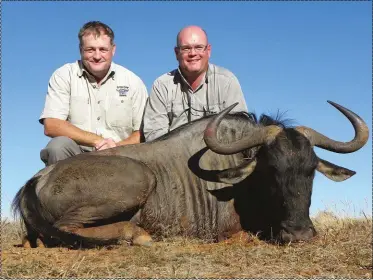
278, 120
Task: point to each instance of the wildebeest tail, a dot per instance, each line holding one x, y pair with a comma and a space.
26, 205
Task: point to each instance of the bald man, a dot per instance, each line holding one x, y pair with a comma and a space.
195, 89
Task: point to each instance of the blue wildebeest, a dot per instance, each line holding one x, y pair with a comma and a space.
209, 179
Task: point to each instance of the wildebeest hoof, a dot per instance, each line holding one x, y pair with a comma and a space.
143, 240
27, 243
39, 243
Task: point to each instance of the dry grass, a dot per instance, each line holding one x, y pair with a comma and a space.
343, 248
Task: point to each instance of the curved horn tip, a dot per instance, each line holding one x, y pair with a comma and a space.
228, 109
232, 106
332, 103
336, 105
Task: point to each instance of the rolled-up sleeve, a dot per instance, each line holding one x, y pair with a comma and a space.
156, 122
138, 105
234, 95
57, 102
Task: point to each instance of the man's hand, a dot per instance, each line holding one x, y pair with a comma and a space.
105, 144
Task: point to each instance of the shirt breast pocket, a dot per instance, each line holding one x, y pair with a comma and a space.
79, 110
119, 113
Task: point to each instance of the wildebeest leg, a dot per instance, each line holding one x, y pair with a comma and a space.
120, 231
86, 192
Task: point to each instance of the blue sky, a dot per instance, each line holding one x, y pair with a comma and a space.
291, 56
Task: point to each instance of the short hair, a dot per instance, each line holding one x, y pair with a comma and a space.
95, 28
178, 34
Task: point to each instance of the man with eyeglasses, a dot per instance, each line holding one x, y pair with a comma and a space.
93, 103
194, 90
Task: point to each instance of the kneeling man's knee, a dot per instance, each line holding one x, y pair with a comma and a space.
59, 148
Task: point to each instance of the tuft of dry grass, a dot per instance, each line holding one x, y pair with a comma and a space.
343, 248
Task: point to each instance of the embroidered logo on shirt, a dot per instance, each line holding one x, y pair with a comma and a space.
122, 90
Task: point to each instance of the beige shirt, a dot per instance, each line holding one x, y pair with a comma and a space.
172, 102
113, 109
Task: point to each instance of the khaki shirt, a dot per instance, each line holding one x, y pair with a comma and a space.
168, 104
113, 109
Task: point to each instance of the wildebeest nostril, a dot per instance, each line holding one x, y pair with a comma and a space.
285, 237
308, 233
287, 234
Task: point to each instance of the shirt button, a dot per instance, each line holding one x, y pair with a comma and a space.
122, 101
98, 118
98, 102
94, 86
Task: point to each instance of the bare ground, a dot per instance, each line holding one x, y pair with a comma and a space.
343, 248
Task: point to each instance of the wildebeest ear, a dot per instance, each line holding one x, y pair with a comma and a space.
334, 172
237, 174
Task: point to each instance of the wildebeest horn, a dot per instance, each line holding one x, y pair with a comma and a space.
321, 141
257, 136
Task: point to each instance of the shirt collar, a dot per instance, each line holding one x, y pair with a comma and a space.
82, 70
204, 79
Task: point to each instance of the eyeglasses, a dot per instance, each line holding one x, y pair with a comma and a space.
197, 49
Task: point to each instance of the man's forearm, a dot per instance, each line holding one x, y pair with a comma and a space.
56, 127
134, 138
